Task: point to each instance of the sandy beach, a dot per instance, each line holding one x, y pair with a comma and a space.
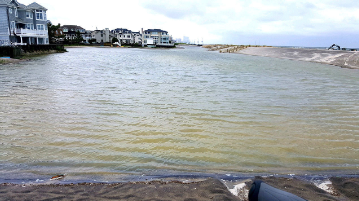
334, 189
344, 59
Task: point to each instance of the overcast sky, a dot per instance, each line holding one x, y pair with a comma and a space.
310, 23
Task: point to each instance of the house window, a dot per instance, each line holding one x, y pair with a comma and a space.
12, 25
29, 26
40, 15
28, 14
16, 12
40, 27
65, 30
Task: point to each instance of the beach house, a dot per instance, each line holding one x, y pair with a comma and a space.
159, 37
21, 24
124, 36
102, 36
70, 31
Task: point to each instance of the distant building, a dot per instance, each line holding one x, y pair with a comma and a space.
58, 34
102, 36
87, 36
137, 37
124, 36
159, 37
70, 31
21, 24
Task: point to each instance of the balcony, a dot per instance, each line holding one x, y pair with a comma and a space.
31, 33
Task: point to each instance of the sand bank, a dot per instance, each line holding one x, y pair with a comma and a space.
345, 59
335, 189
9, 61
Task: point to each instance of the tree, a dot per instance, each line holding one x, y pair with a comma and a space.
52, 31
78, 37
114, 40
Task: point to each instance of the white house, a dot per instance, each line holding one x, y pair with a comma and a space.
124, 36
159, 37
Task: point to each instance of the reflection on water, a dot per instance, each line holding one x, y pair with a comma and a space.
115, 110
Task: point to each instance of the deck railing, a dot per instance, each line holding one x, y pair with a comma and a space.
30, 33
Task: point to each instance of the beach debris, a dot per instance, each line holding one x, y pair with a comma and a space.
327, 186
229, 48
58, 177
240, 191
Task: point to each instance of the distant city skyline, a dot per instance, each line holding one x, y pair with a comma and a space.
309, 23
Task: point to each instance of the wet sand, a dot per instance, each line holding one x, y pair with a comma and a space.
10, 61
341, 189
210, 189
345, 59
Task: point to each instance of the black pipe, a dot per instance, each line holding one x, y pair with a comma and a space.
261, 191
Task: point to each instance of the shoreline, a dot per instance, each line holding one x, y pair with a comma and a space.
344, 59
318, 188
10, 61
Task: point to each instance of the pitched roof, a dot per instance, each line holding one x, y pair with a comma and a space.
23, 6
4, 2
155, 30
122, 30
8, 2
36, 6
71, 27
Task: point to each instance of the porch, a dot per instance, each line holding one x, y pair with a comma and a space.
29, 36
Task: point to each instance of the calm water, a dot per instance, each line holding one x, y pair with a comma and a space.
115, 111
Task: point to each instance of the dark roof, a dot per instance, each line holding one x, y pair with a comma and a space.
71, 27
155, 30
122, 30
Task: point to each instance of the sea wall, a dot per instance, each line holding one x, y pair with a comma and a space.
344, 59
18, 51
